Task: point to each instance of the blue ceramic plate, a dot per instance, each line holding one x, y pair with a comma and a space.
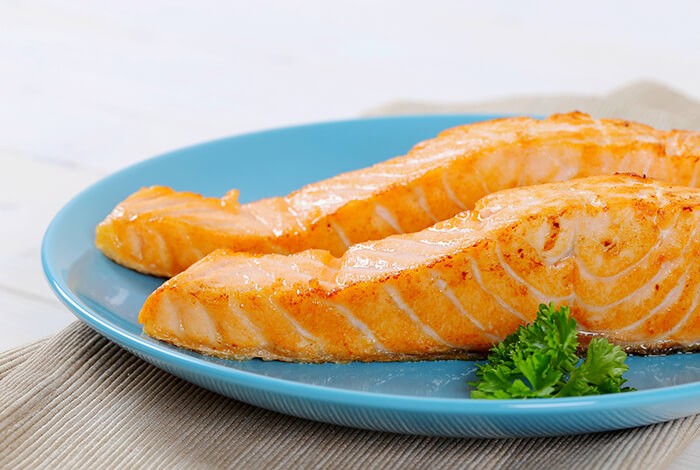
422, 397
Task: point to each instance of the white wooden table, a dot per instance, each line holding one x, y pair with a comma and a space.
87, 88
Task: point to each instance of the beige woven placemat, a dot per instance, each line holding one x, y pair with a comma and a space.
646, 102
78, 401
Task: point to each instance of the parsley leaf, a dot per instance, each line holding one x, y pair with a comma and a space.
539, 361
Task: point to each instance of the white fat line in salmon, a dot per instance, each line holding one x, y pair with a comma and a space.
157, 239
248, 324
387, 216
687, 316
450, 192
358, 324
341, 233
425, 328
169, 318
583, 271
423, 203
135, 241
539, 295
672, 296
198, 315
500, 301
446, 291
483, 182
303, 332
661, 274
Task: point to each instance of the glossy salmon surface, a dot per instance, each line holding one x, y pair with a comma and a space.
623, 251
159, 231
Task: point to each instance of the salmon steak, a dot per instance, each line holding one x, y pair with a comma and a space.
160, 231
622, 251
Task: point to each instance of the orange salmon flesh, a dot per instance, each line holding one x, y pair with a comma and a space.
622, 251
161, 232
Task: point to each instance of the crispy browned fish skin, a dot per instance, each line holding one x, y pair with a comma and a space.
160, 231
621, 250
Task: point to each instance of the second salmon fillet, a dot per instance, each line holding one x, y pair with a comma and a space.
160, 231
622, 251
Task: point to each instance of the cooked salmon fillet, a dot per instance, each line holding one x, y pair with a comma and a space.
622, 251
159, 231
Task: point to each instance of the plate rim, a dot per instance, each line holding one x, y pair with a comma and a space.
329, 395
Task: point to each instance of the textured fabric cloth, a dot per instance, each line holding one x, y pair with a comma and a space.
78, 401
646, 102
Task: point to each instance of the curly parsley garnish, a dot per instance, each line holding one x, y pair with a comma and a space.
539, 361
